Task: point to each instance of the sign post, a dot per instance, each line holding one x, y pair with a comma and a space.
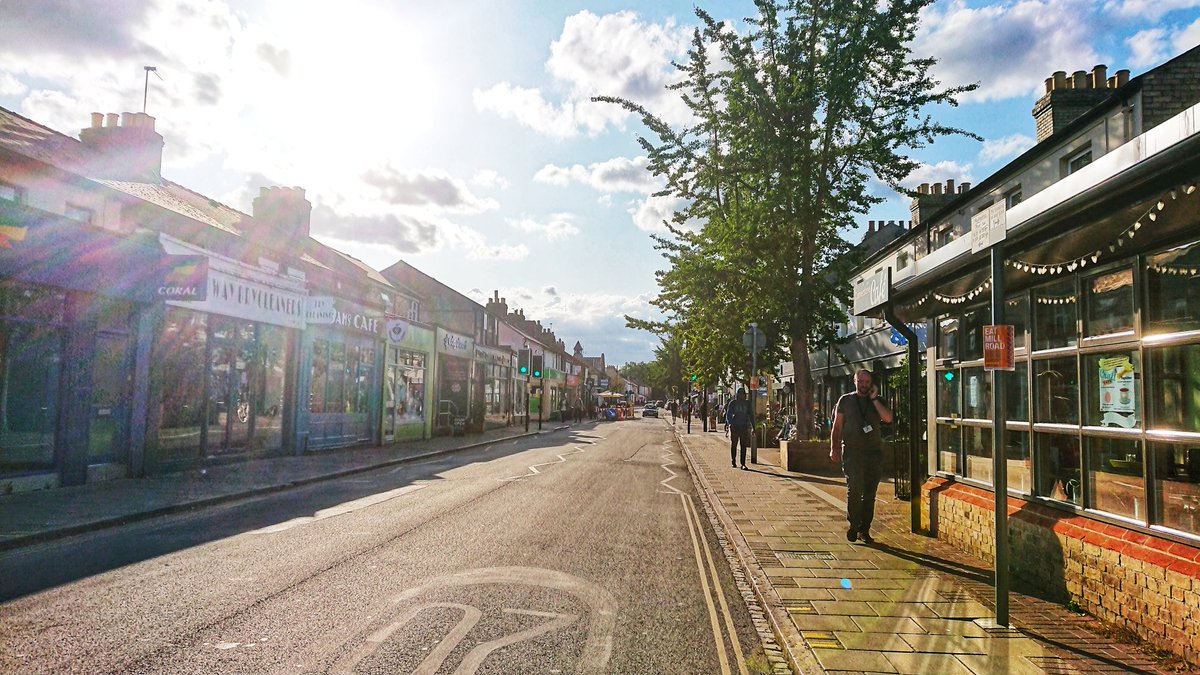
1000, 339
754, 340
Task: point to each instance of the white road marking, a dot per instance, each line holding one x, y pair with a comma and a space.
720, 591
533, 470
340, 509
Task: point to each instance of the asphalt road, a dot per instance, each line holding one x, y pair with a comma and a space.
576, 552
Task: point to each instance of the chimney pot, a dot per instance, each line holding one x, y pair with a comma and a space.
126, 119
1049, 84
97, 120
1100, 76
923, 188
937, 188
110, 120
1122, 77
1080, 79
1060, 79
965, 187
949, 186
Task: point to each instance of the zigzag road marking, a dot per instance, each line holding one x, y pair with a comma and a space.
533, 470
669, 455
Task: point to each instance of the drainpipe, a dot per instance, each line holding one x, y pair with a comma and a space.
914, 394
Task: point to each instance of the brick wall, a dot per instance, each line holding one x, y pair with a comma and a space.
1171, 88
1148, 585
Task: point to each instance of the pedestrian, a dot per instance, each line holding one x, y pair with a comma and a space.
737, 416
857, 442
704, 411
674, 407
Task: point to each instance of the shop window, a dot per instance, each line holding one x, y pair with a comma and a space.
1055, 316
30, 364
1059, 468
976, 394
1018, 457
1016, 393
1111, 390
1173, 285
971, 343
1056, 385
320, 376
977, 442
179, 359
949, 399
949, 439
1115, 476
1177, 485
1173, 388
112, 380
273, 348
948, 337
1109, 304
1016, 313
335, 393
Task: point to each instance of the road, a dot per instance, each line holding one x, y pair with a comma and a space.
576, 552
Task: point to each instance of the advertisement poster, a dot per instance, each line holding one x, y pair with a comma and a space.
1117, 391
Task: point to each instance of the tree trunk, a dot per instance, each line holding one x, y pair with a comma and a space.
802, 372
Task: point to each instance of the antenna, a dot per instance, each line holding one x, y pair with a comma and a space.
146, 92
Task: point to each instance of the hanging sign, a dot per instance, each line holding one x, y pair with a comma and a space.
397, 330
988, 227
998, 347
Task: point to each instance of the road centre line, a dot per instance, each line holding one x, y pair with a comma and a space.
533, 470
340, 509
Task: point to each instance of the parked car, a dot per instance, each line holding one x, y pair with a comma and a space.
650, 411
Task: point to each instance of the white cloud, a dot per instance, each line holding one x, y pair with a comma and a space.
489, 178
650, 213
1147, 9
559, 225
939, 173
610, 55
619, 174
1147, 48
1005, 148
1188, 37
1009, 49
431, 187
11, 86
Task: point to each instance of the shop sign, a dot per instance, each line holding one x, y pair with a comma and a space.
185, 277
873, 291
604, 382
494, 357
397, 330
988, 227
1117, 390
324, 310
998, 347
245, 299
455, 344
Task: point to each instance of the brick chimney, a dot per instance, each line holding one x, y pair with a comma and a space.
284, 212
497, 306
1067, 98
930, 199
130, 150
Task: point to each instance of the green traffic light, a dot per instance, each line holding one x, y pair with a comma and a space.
537, 373
693, 378
524, 369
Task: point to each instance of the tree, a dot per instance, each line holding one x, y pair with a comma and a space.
813, 100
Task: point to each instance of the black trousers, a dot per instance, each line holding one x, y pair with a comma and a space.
863, 471
737, 434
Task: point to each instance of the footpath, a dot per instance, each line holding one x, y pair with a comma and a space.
906, 604
31, 517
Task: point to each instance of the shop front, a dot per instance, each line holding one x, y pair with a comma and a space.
493, 378
222, 374
455, 356
406, 391
345, 356
72, 342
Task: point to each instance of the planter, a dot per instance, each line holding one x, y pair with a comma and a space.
805, 456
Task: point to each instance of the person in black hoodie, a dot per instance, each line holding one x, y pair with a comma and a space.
739, 417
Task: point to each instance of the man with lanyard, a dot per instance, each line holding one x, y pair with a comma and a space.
857, 442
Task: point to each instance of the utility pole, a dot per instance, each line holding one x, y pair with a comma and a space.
146, 90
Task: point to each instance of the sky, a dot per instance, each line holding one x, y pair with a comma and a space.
460, 136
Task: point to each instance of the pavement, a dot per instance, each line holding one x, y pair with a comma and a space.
907, 604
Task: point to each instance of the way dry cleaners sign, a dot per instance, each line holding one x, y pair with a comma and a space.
323, 310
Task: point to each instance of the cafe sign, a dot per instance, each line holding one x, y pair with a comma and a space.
322, 310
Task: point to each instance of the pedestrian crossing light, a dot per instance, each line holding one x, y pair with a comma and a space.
523, 362
693, 378
535, 365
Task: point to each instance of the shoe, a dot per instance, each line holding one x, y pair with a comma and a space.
744, 467
866, 538
733, 464
851, 535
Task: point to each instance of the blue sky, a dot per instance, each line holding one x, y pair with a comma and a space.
460, 137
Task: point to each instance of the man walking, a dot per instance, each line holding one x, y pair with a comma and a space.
857, 442
739, 419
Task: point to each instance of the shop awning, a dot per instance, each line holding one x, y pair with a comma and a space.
44, 248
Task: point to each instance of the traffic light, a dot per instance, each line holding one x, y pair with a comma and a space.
693, 378
535, 365
523, 362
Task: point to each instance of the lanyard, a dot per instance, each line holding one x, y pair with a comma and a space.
861, 410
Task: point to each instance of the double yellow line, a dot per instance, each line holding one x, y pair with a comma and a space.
700, 543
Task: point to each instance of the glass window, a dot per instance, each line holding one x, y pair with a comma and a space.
32, 303
971, 343
1012, 197
335, 398
1173, 388
1173, 283
1177, 486
978, 443
949, 445
273, 342
1075, 162
949, 403
948, 337
1016, 312
320, 376
1109, 306
10, 193
1059, 467
1055, 316
1016, 393
976, 394
30, 362
1112, 381
1057, 389
79, 213
1115, 476
1018, 456
180, 359
112, 382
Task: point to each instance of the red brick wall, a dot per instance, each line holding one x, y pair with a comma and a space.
1148, 585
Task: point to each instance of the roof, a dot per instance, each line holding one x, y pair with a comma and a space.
26, 137
178, 199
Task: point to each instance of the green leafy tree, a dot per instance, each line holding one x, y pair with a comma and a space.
790, 122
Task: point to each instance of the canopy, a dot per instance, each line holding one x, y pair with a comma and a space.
610, 394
